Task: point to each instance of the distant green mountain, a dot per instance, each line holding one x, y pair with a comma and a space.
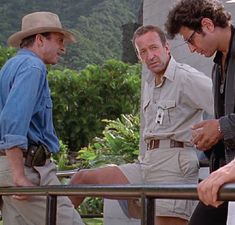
96, 23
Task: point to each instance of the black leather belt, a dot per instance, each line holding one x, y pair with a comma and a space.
156, 143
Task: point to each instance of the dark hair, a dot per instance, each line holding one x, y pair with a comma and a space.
28, 41
189, 13
149, 28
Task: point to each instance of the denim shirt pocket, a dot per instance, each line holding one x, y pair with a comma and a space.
48, 102
46, 110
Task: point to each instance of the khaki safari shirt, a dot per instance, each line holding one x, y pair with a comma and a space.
171, 108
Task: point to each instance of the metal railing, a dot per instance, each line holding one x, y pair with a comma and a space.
147, 193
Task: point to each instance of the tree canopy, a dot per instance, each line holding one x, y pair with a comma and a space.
96, 23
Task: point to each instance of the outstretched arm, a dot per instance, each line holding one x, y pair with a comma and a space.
208, 188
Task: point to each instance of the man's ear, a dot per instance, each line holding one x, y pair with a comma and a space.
138, 56
167, 46
140, 60
207, 24
39, 40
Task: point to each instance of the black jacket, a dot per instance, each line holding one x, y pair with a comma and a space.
224, 105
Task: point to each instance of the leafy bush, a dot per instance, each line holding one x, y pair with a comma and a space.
119, 144
6, 53
91, 205
81, 100
62, 158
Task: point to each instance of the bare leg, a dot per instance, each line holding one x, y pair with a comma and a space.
106, 175
134, 209
164, 220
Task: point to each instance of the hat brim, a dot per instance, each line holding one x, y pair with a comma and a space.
15, 39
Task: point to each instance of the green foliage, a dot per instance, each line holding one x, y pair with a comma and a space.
119, 144
91, 205
61, 159
82, 100
97, 23
5, 54
94, 221
100, 32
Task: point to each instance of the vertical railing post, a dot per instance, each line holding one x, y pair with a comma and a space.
51, 209
143, 210
150, 214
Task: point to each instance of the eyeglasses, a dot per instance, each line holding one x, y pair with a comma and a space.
190, 39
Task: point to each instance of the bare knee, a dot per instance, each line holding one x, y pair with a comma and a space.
106, 175
81, 177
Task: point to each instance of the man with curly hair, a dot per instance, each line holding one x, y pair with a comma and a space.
206, 27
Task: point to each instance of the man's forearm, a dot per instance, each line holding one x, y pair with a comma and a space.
16, 163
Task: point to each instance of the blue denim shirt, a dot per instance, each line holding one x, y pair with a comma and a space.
25, 103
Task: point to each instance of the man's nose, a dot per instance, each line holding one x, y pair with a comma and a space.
150, 55
63, 49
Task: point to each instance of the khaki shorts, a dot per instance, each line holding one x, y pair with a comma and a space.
171, 165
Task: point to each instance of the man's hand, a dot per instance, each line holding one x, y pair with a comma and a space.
208, 188
16, 162
22, 182
206, 134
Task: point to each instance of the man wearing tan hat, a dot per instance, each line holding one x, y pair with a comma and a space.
27, 135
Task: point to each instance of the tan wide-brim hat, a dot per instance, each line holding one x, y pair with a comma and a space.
37, 23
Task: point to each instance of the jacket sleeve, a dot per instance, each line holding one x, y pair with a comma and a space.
198, 91
227, 126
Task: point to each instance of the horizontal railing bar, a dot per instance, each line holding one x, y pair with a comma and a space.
66, 173
171, 191
87, 216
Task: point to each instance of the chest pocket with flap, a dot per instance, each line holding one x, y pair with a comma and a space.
166, 112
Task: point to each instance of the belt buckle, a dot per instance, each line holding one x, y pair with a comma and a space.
153, 143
